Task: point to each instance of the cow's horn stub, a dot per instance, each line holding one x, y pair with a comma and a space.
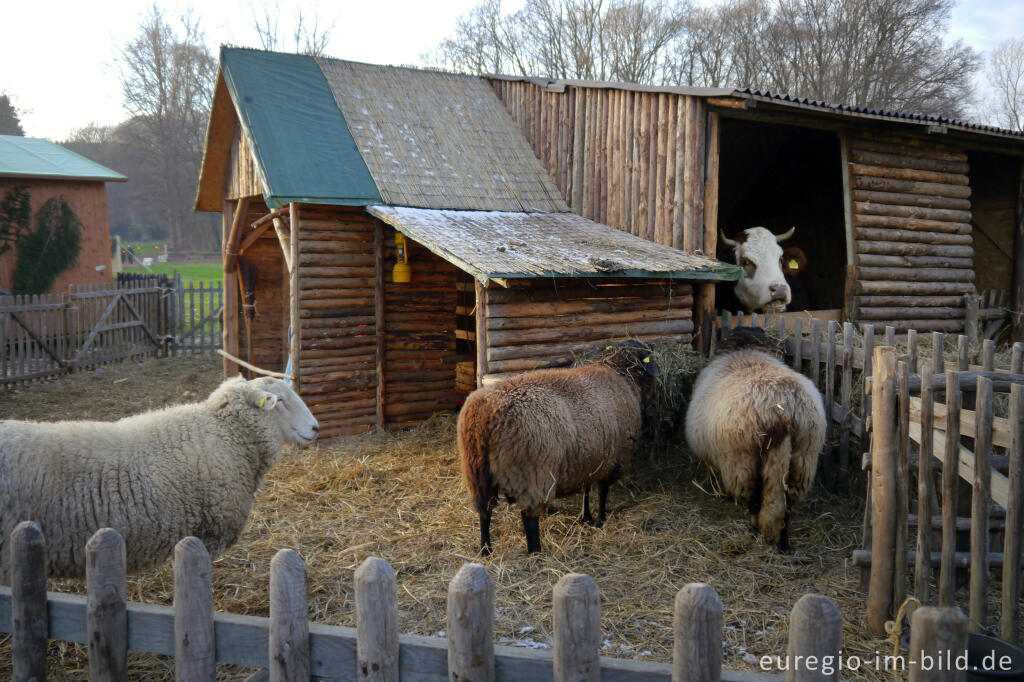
785, 235
726, 240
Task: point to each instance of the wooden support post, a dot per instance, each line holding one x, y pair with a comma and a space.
106, 615
697, 626
194, 653
981, 503
28, 603
481, 332
471, 625
576, 620
289, 624
950, 484
235, 234
925, 493
229, 332
815, 630
1009, 624
938, 634
380, 317
899, 577
972, 306
295, 320
884, 462
845, 390
1017, 286
376, 622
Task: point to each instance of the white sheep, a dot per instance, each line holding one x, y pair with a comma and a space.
155, 478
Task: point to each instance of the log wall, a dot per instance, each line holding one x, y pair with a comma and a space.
910, 213
632, 160
336, 309
537, 322
242, 177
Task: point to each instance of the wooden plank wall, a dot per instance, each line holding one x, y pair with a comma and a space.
336, 308
540, 321
911, 214
242, 178
419, 339
632, 160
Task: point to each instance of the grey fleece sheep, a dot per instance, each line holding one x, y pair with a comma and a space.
761, 425
552, 433
155, 477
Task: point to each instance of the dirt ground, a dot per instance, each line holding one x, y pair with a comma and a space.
399, 496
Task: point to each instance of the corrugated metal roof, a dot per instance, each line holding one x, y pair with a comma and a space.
439, 140
31, 157
501, 244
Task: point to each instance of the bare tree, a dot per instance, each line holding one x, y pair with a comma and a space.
1005, 73
167, 78
308, 35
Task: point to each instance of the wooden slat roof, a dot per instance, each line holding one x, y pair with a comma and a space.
504, 245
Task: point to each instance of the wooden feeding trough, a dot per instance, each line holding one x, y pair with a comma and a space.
382, 167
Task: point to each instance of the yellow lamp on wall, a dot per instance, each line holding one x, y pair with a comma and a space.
402, 272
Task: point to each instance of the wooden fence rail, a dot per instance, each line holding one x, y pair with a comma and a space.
289, 647
93, 325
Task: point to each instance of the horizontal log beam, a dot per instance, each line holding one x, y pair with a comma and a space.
898, 248
578, 292
886, 158
868, 259
588, 333
883, 234
887, 274
911, 187
911, 199
596, 306
909, 301
913, 174
911, 288
915, 224
910, 313
899, 211
903, 326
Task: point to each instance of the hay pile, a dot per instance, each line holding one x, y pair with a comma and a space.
399, 496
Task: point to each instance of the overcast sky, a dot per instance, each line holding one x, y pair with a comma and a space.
57, 57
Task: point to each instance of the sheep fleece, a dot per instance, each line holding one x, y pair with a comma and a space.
155, 478
758, 423
548, 434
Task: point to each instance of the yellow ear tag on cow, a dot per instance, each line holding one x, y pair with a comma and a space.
793, 265
263, 401
646, 360
607, 347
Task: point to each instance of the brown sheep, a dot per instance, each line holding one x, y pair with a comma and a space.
761, 425
552, 433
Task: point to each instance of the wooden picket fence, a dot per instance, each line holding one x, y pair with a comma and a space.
93, 325
288, 647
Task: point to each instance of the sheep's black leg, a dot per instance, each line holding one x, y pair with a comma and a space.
602, 500
532, 530
585, 517
485, 532
784, 545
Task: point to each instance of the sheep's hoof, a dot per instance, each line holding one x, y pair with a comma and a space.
587, 519
785, 548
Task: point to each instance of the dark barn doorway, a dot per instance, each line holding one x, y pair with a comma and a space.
781, 176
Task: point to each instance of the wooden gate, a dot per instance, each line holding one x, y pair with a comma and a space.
113, 324
33, 337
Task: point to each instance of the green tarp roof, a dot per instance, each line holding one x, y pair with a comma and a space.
31, 157
302, 143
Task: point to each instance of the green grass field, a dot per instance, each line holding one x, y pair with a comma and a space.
190, 272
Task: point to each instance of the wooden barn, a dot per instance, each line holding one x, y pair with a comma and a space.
46, 171
394, 241
899, 215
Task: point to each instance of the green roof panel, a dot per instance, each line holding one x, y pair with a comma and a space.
293, 124
31, 157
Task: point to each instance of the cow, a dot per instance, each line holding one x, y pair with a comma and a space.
758, 252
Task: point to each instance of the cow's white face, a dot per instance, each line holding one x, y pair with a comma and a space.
758, 252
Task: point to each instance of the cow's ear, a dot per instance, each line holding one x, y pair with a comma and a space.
793, 260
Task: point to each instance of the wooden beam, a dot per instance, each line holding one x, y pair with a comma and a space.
228, 357
380, 315
235, 235
251, 238
481, 332
704, 304
229, 330
284, 239
294, 317
1017, 300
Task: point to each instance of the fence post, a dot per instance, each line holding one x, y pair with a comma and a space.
106, 614
289, 626
899, 567
376, 622
981, 503
471, 625
845, 389
1009, 625
194, 654
925, 494
938, 634
972, 303
697, 625
950, 485
798, 344
28, 602
884, 457
577, 629
815, 630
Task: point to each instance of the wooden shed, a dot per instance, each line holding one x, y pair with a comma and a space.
47, 170
899, 214
328, 173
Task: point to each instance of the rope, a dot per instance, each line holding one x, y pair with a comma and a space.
894, 629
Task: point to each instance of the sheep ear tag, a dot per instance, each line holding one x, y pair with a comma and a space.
266, 401
651, 368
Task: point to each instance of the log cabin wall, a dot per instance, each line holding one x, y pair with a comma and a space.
539, 321
632, 160
336, 284
910, 211
419, 336
242, 177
